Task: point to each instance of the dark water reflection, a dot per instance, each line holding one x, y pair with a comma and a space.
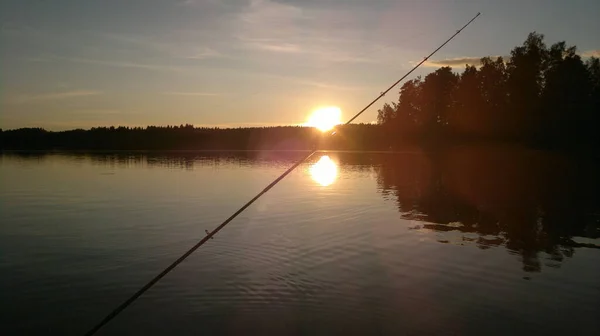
524, 200
472, 240
168, 159
527, 201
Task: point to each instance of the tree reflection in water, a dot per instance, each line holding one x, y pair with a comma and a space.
531, 202
539, 205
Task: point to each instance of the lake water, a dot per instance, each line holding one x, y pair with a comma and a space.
470, 241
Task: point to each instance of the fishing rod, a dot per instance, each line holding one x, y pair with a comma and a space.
210, 235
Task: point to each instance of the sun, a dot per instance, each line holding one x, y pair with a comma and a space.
325, 118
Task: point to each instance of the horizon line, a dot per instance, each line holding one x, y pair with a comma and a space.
217, 126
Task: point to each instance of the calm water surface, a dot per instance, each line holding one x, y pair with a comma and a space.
469, 241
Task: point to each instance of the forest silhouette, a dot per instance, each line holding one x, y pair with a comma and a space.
539, 96
545, 97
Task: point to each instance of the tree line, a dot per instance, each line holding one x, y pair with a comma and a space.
542, 96
188, 137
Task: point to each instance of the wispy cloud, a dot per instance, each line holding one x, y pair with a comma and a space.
27, 98
19, 29
169, 45
193, 94
318, 52
591, 53
94, 112
133, 40
456, 62
121, 64
265, 12
476, 61
329, 86
274, 46
284, 28
108, 63
190, 3
39, 59
318, 84
204, 54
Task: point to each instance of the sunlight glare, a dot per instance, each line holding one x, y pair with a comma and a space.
324, 171
325, 118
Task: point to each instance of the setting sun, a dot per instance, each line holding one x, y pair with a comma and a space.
325, 118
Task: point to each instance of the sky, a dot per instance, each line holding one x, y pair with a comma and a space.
82, 63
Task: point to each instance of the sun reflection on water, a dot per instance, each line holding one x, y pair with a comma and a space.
324, 171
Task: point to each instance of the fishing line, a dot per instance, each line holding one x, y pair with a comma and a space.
154, 280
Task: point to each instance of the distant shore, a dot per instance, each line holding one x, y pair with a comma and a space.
353, 138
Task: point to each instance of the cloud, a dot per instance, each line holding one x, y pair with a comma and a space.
318, 84
591, 53
318, 52
190, 3
38, 59
140, 41
120, 64
196, 94
110, 63
476, 61
18, 29
265, 12
95, 111
205, 53
329, 86
171, 45
456, 62
27, 98
275, 47
459, 61
283, 28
